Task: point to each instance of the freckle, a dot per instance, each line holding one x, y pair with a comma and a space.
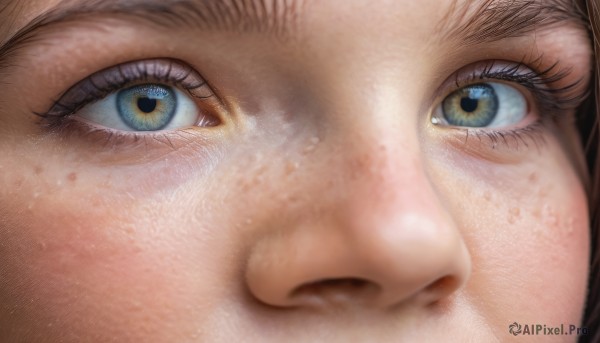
533, 177
313, 145
290, 199
549, 216
291, 167
511, 220
38, 170
569, 225
245, 186
128, 230
72, 177
515, 211
309, 149
487, 195
261, 169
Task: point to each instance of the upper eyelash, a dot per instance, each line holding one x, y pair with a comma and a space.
103, 83
551, 100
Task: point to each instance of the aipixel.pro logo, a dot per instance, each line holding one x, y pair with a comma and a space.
516, 329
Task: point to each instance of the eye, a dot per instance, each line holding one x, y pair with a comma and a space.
146, 107
139, 96
482, 105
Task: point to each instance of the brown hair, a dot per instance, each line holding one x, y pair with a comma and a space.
588, 127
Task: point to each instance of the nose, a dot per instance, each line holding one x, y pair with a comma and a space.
379, 237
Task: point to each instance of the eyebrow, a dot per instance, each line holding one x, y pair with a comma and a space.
491, 20
209, 14
470, 21
274, 17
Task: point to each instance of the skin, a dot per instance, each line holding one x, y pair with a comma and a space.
328, 169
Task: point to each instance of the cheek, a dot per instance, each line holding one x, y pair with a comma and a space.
84, 254
527, 231
77, 261
545, 248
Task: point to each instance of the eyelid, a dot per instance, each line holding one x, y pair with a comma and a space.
484, 71
101, 84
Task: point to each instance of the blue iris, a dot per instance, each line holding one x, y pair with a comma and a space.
472, 106
147, 107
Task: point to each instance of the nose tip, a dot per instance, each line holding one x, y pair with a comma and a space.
319, 267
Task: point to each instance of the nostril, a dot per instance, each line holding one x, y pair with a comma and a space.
336, 290
350, 284
439, 289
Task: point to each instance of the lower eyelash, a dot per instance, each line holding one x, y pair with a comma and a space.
532, 134
112, 140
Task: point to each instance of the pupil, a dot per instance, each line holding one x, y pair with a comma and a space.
468, 104
146, 105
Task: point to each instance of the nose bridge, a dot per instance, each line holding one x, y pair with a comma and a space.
383, 170
393, 217
381, 158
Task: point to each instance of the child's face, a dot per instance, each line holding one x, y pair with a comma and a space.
361, 171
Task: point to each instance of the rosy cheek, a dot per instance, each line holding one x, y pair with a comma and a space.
559, 221
529, 243
71, 259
